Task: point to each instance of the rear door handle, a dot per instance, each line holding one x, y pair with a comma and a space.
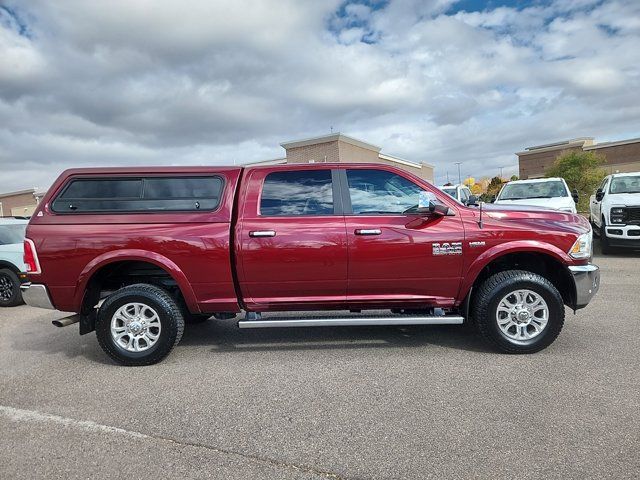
262, 233
371, 231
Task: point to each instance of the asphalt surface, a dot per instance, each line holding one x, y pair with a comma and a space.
352, 403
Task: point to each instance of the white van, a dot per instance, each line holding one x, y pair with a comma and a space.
552, 193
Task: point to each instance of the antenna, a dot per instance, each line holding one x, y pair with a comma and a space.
480, 219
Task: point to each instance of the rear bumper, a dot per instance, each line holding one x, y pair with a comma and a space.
587, 282
36, 295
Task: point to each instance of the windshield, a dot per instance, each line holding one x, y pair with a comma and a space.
521, 191
629, 184
12, 233
451, 191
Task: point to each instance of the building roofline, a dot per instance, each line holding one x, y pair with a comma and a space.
392, 158
549, 147
612, 144
19, 192
333, 137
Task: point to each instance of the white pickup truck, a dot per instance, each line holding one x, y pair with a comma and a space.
551, 193
614, 211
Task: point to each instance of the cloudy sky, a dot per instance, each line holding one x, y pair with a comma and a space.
127, 82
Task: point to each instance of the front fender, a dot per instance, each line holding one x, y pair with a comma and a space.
497, 251
135, 255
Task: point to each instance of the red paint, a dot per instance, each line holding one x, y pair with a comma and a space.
311, 263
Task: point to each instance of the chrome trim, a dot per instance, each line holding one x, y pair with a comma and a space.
348, 322
36, 295
372, 231
262, 233
587, 282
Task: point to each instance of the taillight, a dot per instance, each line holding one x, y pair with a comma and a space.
31, 257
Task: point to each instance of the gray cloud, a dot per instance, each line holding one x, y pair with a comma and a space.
120, 82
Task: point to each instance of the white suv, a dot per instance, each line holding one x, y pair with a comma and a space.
551, 193
12, 266
614, 210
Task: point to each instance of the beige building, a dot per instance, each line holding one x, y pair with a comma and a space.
340, 148
621, 156
19, 204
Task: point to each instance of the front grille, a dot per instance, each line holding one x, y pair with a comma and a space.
633, 215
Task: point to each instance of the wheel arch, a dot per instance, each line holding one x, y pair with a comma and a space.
536, 257
101, 265
9, 265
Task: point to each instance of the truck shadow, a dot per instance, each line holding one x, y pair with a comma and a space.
224, 337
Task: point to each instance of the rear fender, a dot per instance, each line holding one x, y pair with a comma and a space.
135, 255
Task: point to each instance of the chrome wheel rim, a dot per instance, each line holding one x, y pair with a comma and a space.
135, 327
6, 287
522, 315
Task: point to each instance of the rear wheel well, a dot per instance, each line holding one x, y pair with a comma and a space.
10, 266
116, 275
544, 265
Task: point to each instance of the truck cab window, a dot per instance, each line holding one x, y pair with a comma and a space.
295, 193
376, 192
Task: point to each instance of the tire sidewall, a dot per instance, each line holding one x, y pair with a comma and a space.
549, 298
168, 324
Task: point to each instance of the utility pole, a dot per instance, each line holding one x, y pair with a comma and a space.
459, 176
501, 172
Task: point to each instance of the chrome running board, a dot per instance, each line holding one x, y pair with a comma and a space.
363, 320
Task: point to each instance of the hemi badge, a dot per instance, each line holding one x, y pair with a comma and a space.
476, 244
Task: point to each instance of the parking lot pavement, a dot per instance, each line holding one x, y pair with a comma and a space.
419, 402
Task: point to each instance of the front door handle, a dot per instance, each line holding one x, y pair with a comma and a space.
371, 231
262, 233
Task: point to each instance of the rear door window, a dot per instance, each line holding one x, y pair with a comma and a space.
152, 194
297, 193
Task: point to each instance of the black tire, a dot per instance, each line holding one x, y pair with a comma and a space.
10, 294
170, 317
605, 248
495, 288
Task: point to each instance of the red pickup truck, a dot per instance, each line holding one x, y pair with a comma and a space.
137, 252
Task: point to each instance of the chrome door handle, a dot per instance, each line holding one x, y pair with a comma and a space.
371, 231
262, 233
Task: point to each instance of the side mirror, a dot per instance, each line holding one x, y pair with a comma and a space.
492, 199
472, 200
599, 195
440, 210
575, 195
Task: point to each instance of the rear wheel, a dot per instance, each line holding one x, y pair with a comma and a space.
518, 311
139, 325
10, 294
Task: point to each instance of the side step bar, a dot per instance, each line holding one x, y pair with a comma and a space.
352, 321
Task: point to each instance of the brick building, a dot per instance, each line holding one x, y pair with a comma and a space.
340, 148
621, 156
19, 204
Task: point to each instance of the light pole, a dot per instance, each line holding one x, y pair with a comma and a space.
459, 176
501, 172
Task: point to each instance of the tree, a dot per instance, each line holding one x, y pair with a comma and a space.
582, 171
493, 188
513, 178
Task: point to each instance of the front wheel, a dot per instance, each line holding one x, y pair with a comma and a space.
139, 325
518, 311
604, 241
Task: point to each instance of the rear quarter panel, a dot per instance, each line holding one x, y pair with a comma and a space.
193, 247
